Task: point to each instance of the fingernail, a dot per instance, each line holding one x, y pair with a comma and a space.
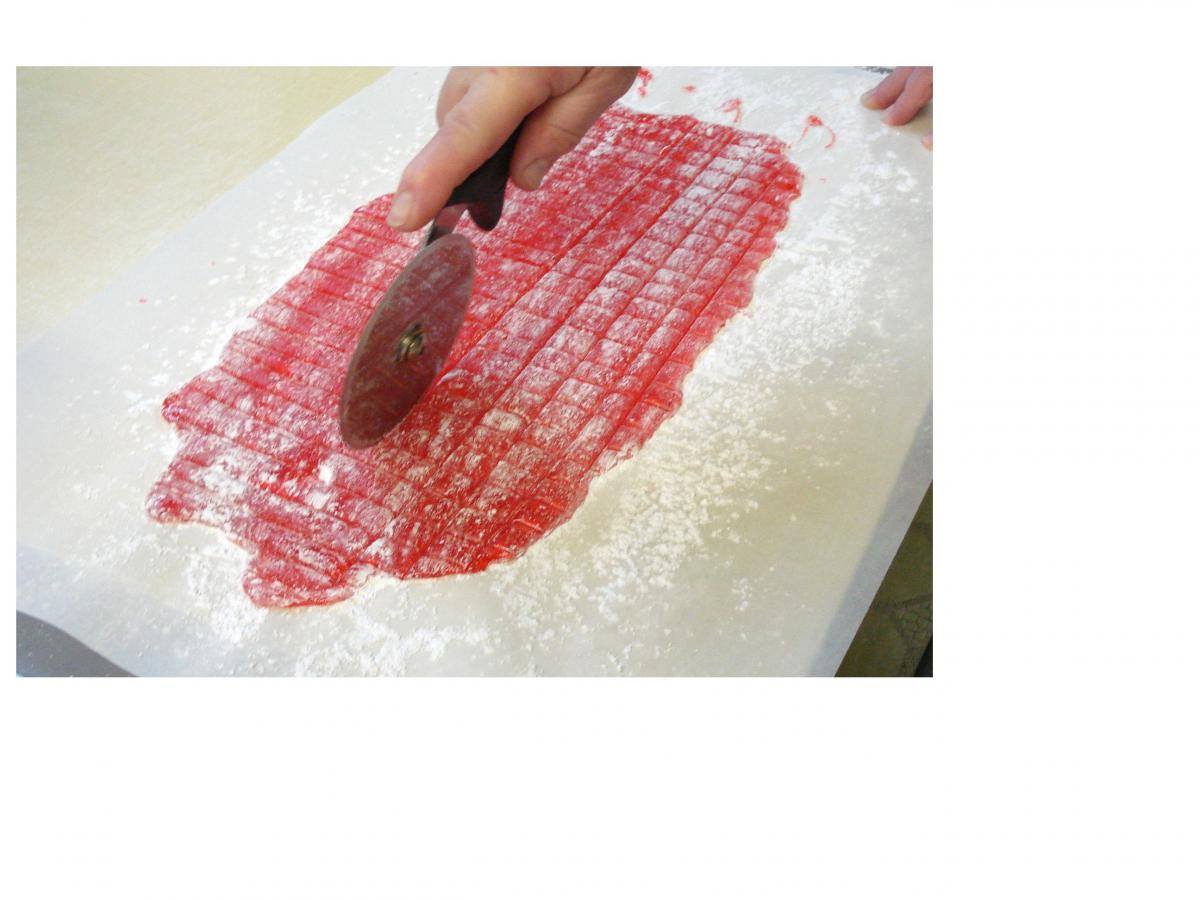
928, 141
868, 99
402, 205
535, 172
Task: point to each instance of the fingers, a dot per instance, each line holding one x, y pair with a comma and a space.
471, 130
918, 90
458, 79
928, 141
561, 122
479, 108
885, 93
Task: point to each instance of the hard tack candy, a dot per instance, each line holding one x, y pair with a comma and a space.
593, 297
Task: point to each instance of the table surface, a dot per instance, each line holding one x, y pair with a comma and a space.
86, 138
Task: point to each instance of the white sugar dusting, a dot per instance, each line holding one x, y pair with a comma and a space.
213, 578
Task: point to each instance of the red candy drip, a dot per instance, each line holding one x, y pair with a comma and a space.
593, 298
733, 106
815, 122
644, 77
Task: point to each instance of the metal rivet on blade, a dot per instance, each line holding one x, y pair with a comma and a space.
411, 344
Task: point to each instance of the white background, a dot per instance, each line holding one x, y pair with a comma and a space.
1053, 752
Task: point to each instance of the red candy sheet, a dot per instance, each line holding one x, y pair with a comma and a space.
593, 298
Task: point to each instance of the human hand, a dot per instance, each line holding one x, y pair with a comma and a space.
903, 94
479, 108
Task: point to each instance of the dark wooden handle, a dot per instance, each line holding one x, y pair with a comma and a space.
483, 190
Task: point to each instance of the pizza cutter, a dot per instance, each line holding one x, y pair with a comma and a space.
406, 340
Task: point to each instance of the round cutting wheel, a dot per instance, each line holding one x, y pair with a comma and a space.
406, 341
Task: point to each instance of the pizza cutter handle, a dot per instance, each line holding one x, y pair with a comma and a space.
483, 190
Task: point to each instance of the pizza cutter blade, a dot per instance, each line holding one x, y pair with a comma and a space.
410, 333
406, 340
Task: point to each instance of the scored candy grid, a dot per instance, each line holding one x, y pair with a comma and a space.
592, 299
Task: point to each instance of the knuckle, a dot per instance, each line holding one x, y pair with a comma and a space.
458, 123
528, 84
562, 78
561, 133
